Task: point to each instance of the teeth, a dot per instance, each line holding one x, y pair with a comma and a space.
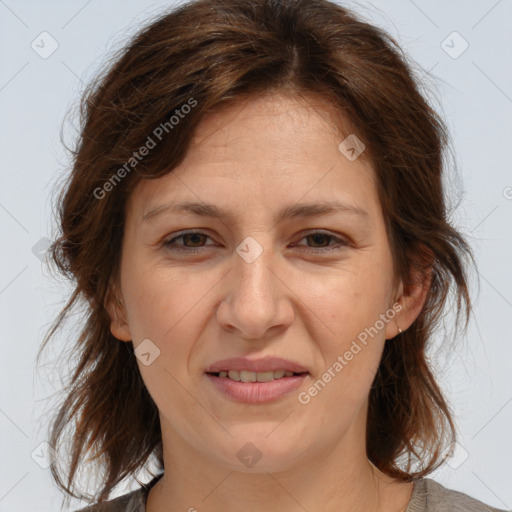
248, 376
264, 376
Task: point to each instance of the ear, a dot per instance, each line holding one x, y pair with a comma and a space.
410, 297
117, 313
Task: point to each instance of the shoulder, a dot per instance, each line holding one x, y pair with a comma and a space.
131, 502
430, 496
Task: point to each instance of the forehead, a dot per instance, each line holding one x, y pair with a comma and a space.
272, 150
276, 123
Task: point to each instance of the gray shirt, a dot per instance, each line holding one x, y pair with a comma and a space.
427, 496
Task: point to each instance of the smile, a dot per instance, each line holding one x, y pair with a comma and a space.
256, 387
250, 376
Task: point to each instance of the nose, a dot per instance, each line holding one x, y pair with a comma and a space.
257, 299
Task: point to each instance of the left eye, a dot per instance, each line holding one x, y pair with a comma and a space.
317, 238
196, 237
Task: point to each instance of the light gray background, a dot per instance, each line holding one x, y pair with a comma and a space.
475, 91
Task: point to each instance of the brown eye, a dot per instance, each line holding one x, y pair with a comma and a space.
318, 238
193, 241
320, 241
194, 238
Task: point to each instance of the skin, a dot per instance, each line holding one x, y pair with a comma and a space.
253, 158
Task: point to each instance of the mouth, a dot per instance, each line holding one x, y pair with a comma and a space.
256, 387
250, 376
256, 381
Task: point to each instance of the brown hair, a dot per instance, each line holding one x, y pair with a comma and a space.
214, 53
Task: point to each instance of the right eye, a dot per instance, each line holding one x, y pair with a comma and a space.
194, 237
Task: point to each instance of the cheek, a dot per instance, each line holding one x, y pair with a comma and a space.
351, 307
352, 298
161, 298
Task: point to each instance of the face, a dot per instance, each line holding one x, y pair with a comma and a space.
260, 268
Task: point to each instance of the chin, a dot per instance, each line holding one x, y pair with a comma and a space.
256, 451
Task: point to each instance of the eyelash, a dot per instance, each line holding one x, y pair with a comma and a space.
191, 250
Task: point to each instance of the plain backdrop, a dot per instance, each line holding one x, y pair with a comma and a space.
463, 50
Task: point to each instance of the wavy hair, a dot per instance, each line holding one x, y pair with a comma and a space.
218, 52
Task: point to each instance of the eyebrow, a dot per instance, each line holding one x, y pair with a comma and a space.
288, 212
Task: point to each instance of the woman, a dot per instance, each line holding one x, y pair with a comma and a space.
256, 223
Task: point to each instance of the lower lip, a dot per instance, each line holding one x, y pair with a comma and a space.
257, 392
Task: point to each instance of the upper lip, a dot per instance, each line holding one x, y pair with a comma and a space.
265, 364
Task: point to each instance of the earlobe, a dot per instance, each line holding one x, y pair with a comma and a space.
411, 299
117, 313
